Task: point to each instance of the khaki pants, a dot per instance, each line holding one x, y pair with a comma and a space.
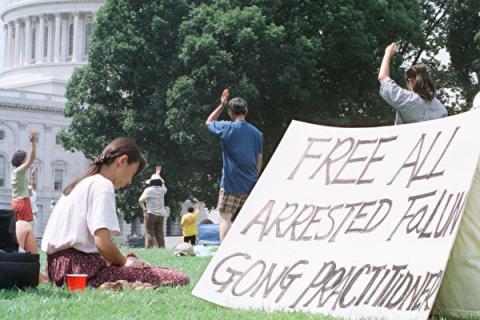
154, 230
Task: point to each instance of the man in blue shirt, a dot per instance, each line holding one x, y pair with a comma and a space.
242, 147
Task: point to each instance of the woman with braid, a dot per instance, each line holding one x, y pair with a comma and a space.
78, 236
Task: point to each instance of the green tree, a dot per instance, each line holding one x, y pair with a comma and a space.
157, 68
463, 43
451, 25
121, 92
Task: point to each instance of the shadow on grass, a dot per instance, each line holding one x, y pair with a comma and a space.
42, 291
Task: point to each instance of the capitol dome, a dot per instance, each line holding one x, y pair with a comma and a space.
45, 40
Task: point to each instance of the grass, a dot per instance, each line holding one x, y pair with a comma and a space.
50, 302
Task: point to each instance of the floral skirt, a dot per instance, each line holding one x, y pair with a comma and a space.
98, 271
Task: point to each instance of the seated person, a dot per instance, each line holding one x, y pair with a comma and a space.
78, 236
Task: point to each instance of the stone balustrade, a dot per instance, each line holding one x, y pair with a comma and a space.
15, 97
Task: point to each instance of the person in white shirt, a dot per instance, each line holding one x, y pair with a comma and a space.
416, 104
78, 236
152, 204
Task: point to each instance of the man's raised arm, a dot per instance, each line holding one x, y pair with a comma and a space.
218, 111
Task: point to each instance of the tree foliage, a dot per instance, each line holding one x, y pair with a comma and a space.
156, 70
452, 25
463, 43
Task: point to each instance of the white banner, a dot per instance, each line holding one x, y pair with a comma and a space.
350, 222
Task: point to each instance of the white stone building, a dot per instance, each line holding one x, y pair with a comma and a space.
56, 166
45, 40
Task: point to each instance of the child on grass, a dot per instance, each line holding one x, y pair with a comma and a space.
20, 196
189, 224
78, 236
21, 200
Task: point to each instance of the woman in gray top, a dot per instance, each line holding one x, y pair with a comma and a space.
416, 104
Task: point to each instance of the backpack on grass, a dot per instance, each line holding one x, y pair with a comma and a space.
8, 237
17, 269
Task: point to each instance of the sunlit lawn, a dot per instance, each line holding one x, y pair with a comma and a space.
49, 302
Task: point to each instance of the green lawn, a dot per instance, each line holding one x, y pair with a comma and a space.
49, 302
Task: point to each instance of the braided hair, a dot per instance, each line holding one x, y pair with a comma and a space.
118, 147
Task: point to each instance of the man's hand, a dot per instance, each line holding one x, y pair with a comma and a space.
224, 98
216, 113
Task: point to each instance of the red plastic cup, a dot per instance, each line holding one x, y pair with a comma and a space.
76, 282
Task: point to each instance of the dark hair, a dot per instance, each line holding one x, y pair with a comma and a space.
156, 182
190, 209
422, 86
18, 158
116, 148
238, 106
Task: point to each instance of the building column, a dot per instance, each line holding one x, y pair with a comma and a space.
8, 57
56, 47
81, 37
22, 44
5, 46
63, 55
76, 37
50, 42
27, 57
17, 43
87, 38
40, 39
